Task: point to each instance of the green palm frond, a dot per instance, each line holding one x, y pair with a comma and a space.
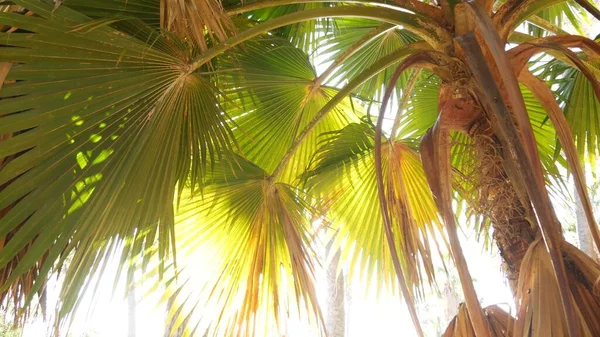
343, 176
275, 99
545, 136
580, 106
422, 108
145, 10
551, 10
304, 35
558, 15
144, 130
103, 127
387, 39
259, 232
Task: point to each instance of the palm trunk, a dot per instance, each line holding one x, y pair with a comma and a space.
497, 199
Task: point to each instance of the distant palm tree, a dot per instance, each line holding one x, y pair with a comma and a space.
335, 321
200, 130
131, 313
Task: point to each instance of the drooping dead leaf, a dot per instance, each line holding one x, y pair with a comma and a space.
383, 201
556, 115
4, 69
500, 323
521, 54
508, 133
196, 20
435, 155
539, 313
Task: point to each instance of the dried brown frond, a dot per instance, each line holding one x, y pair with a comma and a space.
14, 297
540, 313
202, 21
584, 281
500, 323
17, 290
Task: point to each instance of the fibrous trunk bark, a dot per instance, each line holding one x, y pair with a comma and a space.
498, 200
507, 210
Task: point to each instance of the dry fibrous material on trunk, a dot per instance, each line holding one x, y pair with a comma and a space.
482, 181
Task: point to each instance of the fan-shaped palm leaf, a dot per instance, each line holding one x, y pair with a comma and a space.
146, 10
261, 232
343, 175
92, 114
303, 35
382, 40
274, 98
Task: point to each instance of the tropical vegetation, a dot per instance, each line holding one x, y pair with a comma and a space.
244, 134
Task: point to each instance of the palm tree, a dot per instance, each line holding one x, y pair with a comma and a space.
190, 130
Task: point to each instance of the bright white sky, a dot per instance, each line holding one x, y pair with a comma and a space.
366, 315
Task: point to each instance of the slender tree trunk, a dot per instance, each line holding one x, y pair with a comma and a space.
584, 234
451, 300
586, 241
131, 314
348, 303
336, 315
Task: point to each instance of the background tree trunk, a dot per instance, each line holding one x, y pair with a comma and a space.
586, 242
336, 314
451, 300
131, 314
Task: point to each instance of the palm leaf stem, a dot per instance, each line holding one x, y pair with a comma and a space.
407, 92
252, 6
348, 53
383, 201
513, 12
556, 115
589, 7
418, 7
432, 33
